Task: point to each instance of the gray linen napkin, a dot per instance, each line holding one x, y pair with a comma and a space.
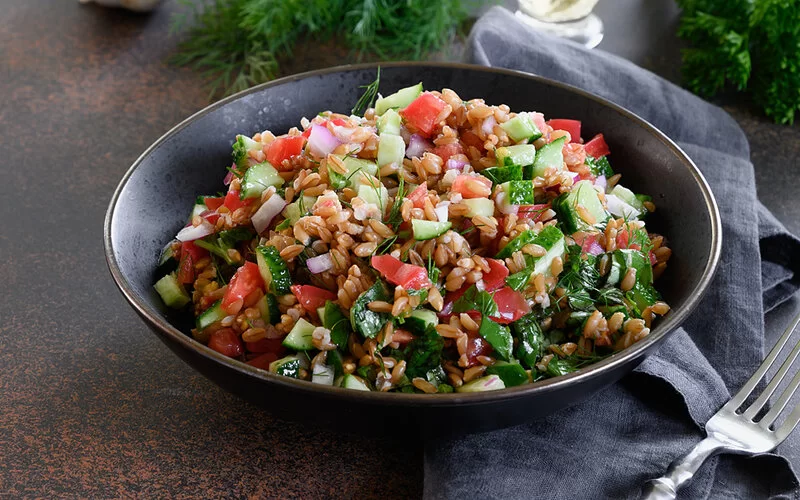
609, 446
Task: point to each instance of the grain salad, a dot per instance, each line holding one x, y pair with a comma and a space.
422, 244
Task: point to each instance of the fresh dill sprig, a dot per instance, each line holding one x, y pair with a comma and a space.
368, 98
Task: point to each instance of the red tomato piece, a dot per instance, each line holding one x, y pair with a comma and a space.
232, 201
622, 238
571, 126
312, 297
213, 202
477, 346
211, 216
399, 273
245, 281
418, 195
284, 148
227, 342
266, 345
190, 253
532, 212
339, 122
421, 114
589, 243
448, 150
496, 277
597, 147
511, 305
263, 361
464, 184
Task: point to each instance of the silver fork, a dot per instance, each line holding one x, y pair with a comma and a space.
737, 432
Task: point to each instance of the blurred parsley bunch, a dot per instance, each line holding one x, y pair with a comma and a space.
240, 43
753, 45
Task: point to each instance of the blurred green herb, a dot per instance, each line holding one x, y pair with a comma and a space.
749, 45
240, 43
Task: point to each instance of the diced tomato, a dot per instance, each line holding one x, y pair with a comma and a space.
496, 277
418, 195
213, 202
284, 148
589, 243
306, 132
312, 297
448, 150
461, 185
477, 346
571, 126
470, 139
263, 361
232, 201
266, 345
511, 305
227, 342
421, 114
210, 215
397, 272
245, 281
189, 255
622, 238
339, 122
532, 212
597, 147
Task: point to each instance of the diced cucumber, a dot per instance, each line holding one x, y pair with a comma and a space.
322, 374
521, 128
389, 123
627, 196
350, 381
549, 156
518, 192
274, 270
241, 147
334, 320
268, 307
420, 320
399, 99
566, 206
551, 239
510, 373
521, 155
258, 178
377, 195
211, 315
427, 229
321, 314
289, 366
391, 149
301, 337
544, 263
478, 206
172, 293
515, 245
599, 166
299, 208
499, 175
482, 384
168, 259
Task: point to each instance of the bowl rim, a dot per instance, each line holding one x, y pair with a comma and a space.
667, 325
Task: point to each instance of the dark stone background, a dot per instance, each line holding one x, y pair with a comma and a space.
92, 404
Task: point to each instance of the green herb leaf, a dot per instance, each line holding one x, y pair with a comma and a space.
476, 300
368, 98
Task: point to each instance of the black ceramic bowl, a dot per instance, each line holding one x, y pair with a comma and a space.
151, 203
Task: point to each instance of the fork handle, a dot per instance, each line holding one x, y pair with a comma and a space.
680, 471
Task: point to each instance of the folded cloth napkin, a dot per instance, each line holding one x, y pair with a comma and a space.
608, 446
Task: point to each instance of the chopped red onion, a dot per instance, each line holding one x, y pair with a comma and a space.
266, 212
442, 211
320, 263
455, 164
595, 248
488, 124
417, 145
191, 233
229, 177
321, 142
576, 178
601, 182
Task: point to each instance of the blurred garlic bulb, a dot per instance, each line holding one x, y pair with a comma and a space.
137, 5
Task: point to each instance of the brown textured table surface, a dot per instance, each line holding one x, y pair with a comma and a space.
92, 404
